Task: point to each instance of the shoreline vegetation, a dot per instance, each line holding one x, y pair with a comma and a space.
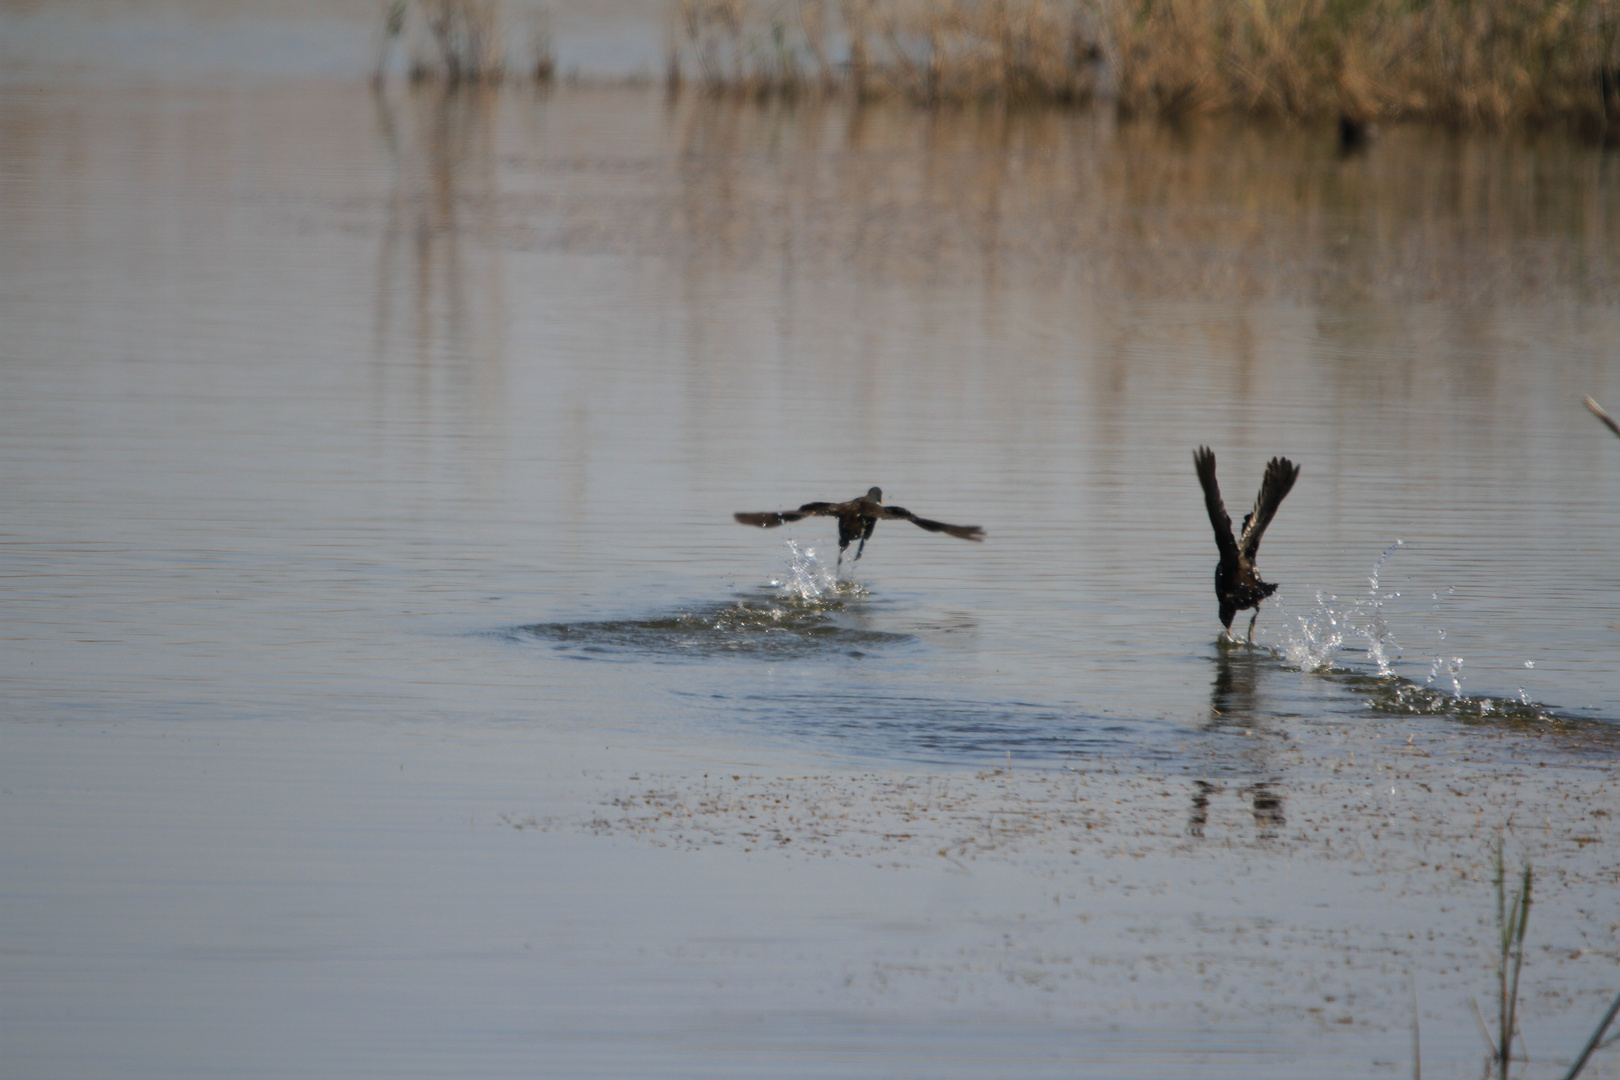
461, 42
1475, 63
1461, 63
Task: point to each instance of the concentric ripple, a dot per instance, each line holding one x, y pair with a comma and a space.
764, 627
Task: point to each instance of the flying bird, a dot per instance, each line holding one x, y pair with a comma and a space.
856, 520
1237, 580
1597, 411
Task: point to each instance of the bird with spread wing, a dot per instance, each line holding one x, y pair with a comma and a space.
1237, 580
856, 520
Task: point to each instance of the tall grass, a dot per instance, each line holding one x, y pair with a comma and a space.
1512, 919
1466, 62
928, 49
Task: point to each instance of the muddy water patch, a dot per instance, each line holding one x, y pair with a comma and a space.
1361, 808
1317, 904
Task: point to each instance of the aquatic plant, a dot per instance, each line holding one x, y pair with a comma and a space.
1597, 1041
1464, 62
1512, 920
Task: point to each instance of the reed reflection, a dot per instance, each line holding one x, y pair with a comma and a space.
1205, 209
439, 292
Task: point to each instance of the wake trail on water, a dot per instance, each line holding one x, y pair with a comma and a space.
1324, 639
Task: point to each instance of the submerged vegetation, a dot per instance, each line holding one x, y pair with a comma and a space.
1468, 62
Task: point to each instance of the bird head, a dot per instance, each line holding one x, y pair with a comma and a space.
875, 494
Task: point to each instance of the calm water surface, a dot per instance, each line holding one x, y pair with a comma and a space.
315, 401
420, 413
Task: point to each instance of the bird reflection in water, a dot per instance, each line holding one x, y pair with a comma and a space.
1265, 801
1233, 711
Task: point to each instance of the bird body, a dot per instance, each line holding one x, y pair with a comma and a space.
1238, 585
856, 520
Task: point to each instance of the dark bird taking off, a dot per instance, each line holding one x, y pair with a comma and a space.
1237, 581
856, 520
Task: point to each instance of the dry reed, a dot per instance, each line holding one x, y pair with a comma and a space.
459, 41
1466, 62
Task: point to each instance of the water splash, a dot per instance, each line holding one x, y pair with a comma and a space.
1324, 632
805, 616
1380, 639
808, 581
1329, 628
1320, 638
1448, 669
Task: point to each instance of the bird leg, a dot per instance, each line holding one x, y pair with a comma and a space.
1252, 618
859, 548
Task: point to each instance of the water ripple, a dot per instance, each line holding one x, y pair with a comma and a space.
760, 626
918, 728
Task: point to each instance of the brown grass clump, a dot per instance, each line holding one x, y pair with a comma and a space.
1466, 62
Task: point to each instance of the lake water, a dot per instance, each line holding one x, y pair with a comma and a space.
385, 683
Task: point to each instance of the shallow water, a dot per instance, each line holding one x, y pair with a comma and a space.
345, 430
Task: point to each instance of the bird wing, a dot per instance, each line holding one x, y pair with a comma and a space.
1204, 462
771, 518
767, 519
965, 532
1279, 481
1597, 410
